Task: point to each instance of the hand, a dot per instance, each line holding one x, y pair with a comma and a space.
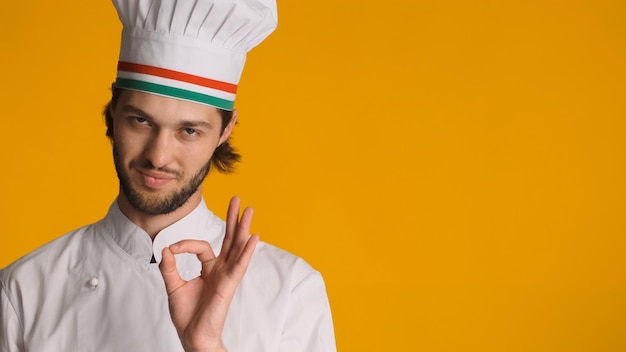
199, 307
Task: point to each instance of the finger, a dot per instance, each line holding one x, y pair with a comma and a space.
232, 221
202, 249
169, 272
246, 255
248, 249
243, 234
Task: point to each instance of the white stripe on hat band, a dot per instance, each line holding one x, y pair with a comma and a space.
176, 84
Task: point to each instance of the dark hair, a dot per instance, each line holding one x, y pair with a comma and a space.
224, 157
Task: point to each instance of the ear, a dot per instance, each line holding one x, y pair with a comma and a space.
229, 128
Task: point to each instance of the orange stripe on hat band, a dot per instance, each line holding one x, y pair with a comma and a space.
176, 75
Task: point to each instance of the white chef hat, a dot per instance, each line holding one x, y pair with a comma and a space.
190, 49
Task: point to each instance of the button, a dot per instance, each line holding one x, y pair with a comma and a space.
93, 282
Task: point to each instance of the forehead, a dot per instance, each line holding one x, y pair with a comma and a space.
165, 109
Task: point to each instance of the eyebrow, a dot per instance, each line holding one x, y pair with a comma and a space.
195, 124
135, 110
184, 123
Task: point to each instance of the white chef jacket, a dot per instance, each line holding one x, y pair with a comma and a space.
94, 289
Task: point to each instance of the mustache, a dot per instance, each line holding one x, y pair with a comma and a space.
146, 164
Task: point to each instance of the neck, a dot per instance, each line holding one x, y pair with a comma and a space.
153, 224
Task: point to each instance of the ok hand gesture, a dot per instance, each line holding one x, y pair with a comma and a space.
199, 307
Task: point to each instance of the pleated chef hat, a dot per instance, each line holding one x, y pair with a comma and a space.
190, 49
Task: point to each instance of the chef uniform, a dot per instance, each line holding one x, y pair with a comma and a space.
99, 288
94, 289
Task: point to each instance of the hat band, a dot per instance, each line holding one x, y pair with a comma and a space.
177, 75
176, 84
175, 93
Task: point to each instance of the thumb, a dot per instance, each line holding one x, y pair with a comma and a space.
170, 274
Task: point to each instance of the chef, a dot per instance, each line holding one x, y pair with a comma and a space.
161, 272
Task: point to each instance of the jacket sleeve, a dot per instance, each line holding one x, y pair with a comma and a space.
308, 325
10, 327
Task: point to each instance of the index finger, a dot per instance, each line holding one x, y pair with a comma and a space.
202, 249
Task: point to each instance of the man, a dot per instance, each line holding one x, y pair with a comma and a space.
146, 278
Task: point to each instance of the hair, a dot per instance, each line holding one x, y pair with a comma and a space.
225, 155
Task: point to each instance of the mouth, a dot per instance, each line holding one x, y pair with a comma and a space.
155, 179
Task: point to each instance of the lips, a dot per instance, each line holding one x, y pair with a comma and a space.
155, 179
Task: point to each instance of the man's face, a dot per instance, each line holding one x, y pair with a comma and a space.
162, 149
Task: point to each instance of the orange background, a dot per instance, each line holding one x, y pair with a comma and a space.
455, 169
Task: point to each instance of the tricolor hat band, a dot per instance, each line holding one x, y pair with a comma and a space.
176, 84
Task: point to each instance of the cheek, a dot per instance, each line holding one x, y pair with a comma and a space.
118, 135
127, 146
195, 157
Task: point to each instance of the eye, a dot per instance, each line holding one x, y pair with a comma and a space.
190, 131
141, 120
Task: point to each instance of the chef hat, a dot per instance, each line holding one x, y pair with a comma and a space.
190, 49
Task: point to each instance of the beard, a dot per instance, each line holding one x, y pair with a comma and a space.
154, 204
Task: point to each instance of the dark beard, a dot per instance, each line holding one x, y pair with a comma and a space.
155, 206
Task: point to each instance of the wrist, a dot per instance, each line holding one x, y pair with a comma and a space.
218, 347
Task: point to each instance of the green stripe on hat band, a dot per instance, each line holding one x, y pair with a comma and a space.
175, 93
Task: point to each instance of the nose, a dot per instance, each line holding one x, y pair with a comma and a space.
159, 149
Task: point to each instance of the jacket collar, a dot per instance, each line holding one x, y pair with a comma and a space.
200, 224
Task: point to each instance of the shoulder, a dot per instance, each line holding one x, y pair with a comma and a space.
280, 259
284, 289
58, 253
272, 266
